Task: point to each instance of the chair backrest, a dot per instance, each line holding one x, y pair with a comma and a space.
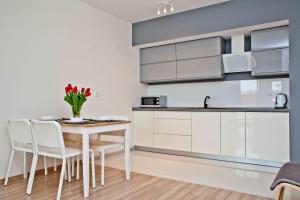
20, 132
48, 134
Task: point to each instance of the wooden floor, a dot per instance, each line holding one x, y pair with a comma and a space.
140, 186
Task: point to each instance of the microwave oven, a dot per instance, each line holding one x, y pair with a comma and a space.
154, 101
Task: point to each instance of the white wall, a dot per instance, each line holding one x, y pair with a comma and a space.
245, 93
45, 44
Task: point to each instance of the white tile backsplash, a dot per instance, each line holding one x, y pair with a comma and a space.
244, 93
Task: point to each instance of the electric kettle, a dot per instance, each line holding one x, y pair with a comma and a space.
281, 100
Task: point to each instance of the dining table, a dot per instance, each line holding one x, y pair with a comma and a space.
98, 127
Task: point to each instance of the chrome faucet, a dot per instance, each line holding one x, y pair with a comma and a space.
205, 101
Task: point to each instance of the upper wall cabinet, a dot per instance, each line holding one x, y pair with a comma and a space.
200, 68
157, 72
196, 60
271, 62
199, 48
163, 53
270, 38
270, 50
200, 59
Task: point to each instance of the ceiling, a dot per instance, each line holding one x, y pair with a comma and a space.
140, 10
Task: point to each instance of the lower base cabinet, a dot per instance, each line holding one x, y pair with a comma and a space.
233, 134
250, 135
173, 142
172, 126
206, 132
143, 128
267, 136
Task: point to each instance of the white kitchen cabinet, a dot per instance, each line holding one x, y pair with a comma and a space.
172, 115
206, 132
172, 142
173, 126
143, 128
267, 136
233, 134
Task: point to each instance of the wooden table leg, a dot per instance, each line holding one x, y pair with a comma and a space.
127, 153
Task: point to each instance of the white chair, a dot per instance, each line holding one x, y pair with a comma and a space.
21, 140
48, 141
74, 141
73, 159
102, 147
96, 145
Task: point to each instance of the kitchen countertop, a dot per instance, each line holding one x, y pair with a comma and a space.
216, 109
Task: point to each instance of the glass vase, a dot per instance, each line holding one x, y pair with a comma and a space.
76, 111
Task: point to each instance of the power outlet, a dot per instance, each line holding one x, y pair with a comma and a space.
96, 94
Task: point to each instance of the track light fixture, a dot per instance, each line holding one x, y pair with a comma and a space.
165, 7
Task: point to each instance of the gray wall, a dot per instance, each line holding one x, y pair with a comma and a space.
229, 15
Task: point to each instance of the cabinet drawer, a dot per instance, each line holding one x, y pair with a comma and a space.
158, 54
172, 142
158, 72
173, 126
172, 115
270, 62
210, 67
199, 48
270, 38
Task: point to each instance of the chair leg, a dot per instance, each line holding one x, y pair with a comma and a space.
279, 193
45, 165
9, 166
69, 170
55, 164
61, 180
93, 169
73, 166
66, 174
77, 169
102, 167
32, 173
24, 166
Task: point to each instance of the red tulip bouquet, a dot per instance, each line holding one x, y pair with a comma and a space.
76, 98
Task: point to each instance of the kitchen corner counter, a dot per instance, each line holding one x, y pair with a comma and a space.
219, 109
